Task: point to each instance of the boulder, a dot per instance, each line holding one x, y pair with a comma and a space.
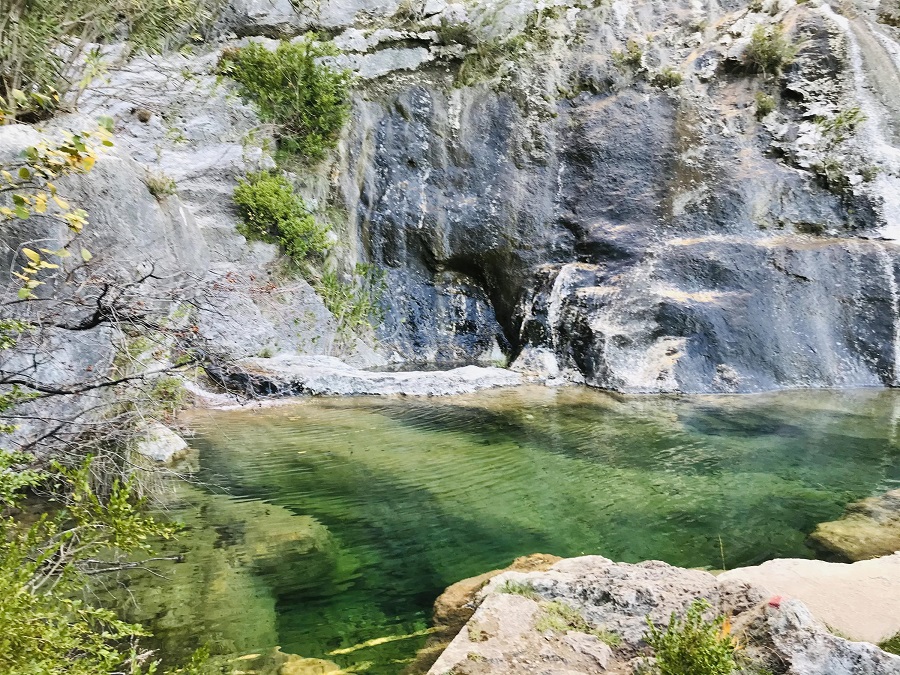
870, 528
161, 444
509, 633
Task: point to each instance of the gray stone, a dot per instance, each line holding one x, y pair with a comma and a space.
160, 444
291, 375
619, 598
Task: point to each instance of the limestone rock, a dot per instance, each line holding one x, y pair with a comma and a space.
870, 528
291, 375
161, 444
859, 600
501, 637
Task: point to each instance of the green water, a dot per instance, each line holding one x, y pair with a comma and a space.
395, 499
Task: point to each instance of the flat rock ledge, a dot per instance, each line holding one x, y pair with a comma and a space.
291, 375
778, 634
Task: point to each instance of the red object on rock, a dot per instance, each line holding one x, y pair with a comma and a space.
775, 601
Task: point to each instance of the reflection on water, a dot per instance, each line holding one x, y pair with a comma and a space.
346, 518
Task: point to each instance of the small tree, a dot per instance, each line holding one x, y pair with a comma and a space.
307, 99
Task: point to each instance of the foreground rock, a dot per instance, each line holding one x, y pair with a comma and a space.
614, 601
870, 528
858, 600
291, 375
457, 604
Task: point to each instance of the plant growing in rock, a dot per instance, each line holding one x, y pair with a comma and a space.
693, 645
522, 588
769, 51
558, 617
161, 185
839, 128
631, 58
354, 302
272, 211
667, 78
307, 99
765, 105
891, 645
49, 49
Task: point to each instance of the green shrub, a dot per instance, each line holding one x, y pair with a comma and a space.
38, 75
631, 58
839, 128
307, 99
356, 303
161, 185
891, 645
667, 78
272, 211
769, 51
168, 395
765, 104
693, 646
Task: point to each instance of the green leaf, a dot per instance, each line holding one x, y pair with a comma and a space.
22, 212
24, 173
86, 255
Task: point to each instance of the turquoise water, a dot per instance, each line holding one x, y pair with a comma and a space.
392, 500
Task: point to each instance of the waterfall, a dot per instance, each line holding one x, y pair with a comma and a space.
887, 262
875, 59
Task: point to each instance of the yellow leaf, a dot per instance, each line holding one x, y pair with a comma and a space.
86, 255
88, 163
40, 203
31, 255
61, 203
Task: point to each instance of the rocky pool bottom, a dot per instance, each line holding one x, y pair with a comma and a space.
329, 527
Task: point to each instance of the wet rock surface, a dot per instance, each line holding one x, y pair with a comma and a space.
870, 528
617, 598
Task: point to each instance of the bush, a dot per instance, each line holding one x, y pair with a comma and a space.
667, 78
765, 104
48, 48
631, 58
161, 185
308, 100
354, 303
769, 51
693, 646
273, 212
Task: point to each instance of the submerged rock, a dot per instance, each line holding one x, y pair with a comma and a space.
870, 528
161, 444
509, 632
290, 375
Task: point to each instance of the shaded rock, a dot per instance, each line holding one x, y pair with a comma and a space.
859, 601
289, 375
870, 528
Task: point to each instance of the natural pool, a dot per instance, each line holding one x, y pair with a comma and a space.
333, 522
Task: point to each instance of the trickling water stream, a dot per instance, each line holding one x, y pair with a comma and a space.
346, 518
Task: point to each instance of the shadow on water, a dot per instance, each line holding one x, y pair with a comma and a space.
399, 498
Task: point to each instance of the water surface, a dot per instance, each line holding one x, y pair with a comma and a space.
398, 498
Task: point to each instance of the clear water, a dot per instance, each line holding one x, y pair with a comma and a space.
398, 498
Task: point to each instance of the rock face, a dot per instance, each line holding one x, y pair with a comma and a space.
587, 189
870, 528
325, 376
509, 633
